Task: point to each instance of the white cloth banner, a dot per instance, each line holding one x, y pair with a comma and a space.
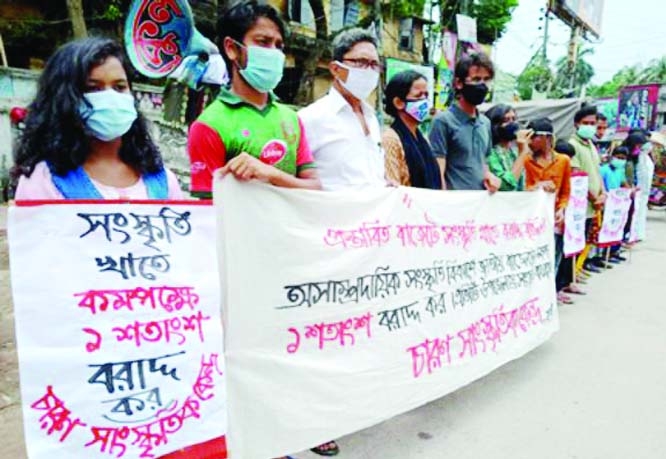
345, 309
616, 213
118, 328
575, 215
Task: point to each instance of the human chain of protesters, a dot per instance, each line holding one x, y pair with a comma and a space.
85, 140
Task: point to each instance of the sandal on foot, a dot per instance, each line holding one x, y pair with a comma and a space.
573, 289
564, 299
327, 449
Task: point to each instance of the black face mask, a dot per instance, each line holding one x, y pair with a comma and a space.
508, 131
475, 94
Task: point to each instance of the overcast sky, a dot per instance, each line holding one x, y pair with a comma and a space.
631, 32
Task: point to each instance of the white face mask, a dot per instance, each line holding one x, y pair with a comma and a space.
360, 82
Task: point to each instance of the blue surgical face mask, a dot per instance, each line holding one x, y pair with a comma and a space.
263, 67
586, 131
618, 163
110, 114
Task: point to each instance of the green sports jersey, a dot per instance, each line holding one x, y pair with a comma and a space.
272, 134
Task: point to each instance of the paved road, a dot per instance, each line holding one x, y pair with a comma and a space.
596, 390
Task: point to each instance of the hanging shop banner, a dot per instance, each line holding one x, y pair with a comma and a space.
449, 50
637, 107
345, 309
118, 328
444, 87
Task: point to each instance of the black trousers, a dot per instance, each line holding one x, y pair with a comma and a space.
565, 274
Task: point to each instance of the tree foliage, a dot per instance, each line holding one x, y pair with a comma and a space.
654, 72
558, 82
536, 76
570, 82
492, 16
405, 8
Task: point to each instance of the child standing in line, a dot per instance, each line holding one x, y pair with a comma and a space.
614, 176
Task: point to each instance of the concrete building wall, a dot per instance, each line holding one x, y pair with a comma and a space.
391, 41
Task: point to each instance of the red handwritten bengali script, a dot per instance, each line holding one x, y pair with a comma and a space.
171, 330
430, 234
169, 299
341, 333
56, 417
176, 330
481, 336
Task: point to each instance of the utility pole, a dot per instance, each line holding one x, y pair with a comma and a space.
75, 10
379, 28
545, 34
432, 39
573, 54
3, 54
465, 7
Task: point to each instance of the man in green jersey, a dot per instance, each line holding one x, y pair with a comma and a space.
245, 131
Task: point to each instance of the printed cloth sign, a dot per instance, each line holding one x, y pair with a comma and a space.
633, 232
575, 215
118, 328
449, 48
616, 213
466, 27
348, 308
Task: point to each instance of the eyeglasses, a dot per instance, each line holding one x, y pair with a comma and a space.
364, 64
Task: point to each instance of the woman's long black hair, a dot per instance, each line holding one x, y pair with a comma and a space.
635, 138
399, 87
54, 130
496, 116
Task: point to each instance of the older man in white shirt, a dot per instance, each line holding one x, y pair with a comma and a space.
341, 127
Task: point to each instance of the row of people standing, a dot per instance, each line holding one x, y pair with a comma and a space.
337, 141
527, 159
575, 154
339, 135
85, 139
514, 164
628, 165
